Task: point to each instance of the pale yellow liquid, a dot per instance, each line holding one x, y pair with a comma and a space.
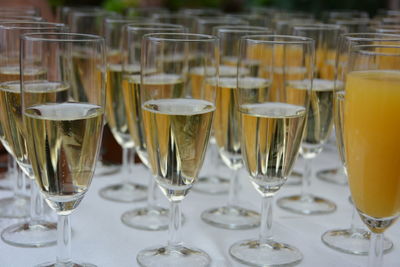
177, 133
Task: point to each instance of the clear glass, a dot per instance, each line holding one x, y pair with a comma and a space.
352, 240
226, 127
34, 232
150, 217
273, 119
117, 118
63, 121
319, 119
214, 182
177, 116
371, 88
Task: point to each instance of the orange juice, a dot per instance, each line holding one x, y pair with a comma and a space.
371, 131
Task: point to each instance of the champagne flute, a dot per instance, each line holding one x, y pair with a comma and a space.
89, 20
356, 24
370, 122
272, 127
177, 122
352, 240
319, 118
227, 124
213, 183
117, 119
63, 129
150, 217
16, 206
35, 232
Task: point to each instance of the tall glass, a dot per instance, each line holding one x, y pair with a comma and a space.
25, 10
89, 20
16, 206
63, 129
117, 119
186, 21
150, 217
35, 232
214, 182
227, 124
319, 117
370, 123
273, 120
133, 12
352, 240
177, 119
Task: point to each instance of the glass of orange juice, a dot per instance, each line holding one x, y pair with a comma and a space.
371, 123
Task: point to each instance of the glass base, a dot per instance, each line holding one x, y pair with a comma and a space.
334, 176
212, 185
250, 252
352, 241
294, 178
128, 192
147, 218
14, 208
177, 256
231, 217
31, 235
104, 170
70, 264
306, 205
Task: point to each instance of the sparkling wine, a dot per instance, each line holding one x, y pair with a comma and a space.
115, 106
320, 113
167, 85
12, 121
63, 141
271, 137
177, 133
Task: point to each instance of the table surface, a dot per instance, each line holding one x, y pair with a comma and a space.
99, 237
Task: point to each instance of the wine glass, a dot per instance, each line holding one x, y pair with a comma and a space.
273, 120
352, 240
176, 18
391, 29
16, 206
177, 119
226, 124
150, 217
213, 182
63, 128
89, 20
125, 191
21, 10
133, 12
370, 122
35, 232
319, 118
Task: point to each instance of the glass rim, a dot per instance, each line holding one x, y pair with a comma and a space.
110, 20
317, 26
164, 37
363, 49
172, 16
41, 36
152, 26
19, 25
240, 28
209, 20
291, 39
352, 37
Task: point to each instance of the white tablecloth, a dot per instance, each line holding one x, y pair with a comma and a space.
99, 237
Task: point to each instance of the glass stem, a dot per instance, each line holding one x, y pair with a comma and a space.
175, 222
36, 210
151, 191
125, 165
20, 183
266, 219
233, 188
375, 258
306, 181
63, 240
